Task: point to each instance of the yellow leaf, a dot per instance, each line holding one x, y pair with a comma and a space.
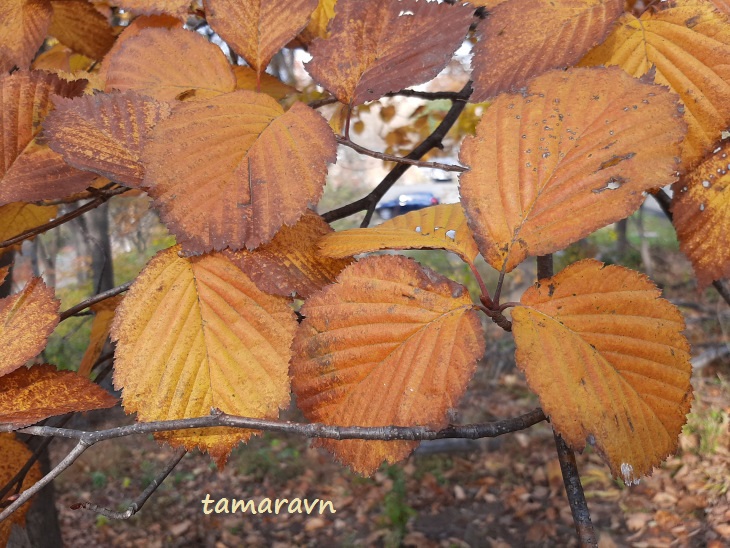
688, 45
608, 359
100, 328
15, 456
524, 38
269, 166
436, 227
26, 320
23, 26
78, 25
701, 216
30, 395
291, 263
246, 79
570, 154
18, 217
391, 343
193, 334
258, 29
374, 48
320, 20
165, 63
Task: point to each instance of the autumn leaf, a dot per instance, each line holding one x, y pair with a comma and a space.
524, 38
26, 320
230, 171
246, 79
100, 328
584, 141
28, 395
166, 63
104, 133
318, 26
23, 27
61, 58
78, 25
377, 46
18, 217
688, 47
722, 5
701, 216
193, 334
436, 227
177, 8
15, 455
258, 29
29, 170
391, 343
291, 264
609, 361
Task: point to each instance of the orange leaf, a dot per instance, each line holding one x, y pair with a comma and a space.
608, 359
244, 169
4, 270
569, 155
701, 211
61, 58
688, 46
523, 38
78, 25
176, 8
23, 27
26, 320
18, 217
100, 328
722, 5
291, 263
30, 395
436, 227
319, 21
104, 133
246, 79
258, 29
377, 46
193, 334
166, 63
29, 170
391, 343
15, 455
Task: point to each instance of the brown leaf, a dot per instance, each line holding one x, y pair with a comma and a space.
176, 8
569, 155
291, 262
391, 343
258, 29
78, 25
269, 167
608, 359
319, 22
15, 455
104, 133
701, 216
26, 320
30, 395
23, 27
61, 58
377, 46
166, 63
524, 38
246, 79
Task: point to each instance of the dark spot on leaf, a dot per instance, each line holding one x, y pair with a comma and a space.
551, 290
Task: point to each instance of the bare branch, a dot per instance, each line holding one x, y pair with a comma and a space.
104, 295
322, 102
428, 95
398, 159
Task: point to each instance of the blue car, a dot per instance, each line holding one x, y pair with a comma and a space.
405, 203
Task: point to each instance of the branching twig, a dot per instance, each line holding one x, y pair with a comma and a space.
95, 299
398, 159
139, 502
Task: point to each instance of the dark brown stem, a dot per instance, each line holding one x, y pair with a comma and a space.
95, 299
398, 159
322, 102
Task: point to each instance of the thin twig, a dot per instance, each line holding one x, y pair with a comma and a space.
95, 299
398, 159
139, 502
322, 102
368, 203
428, 95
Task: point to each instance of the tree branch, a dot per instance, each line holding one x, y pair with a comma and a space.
390, 158
104, 295
368, 203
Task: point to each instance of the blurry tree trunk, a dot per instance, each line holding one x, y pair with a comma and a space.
5, 260
79, 233
622, 240
644, 249
97, 222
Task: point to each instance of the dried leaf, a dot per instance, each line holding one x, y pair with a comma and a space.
61, 58
78, 25
585, 141
246, 79
291, 263
722, 5
144, 63
26, 320
688, 47
243, 170
701, 216
18, 217
23, 27
193, 334
30, 395
15, 455
319, 21
524, 38
608, 359
258, 29
391, 343
377, 46
176, 8
104, 133
436, 227
100, 328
